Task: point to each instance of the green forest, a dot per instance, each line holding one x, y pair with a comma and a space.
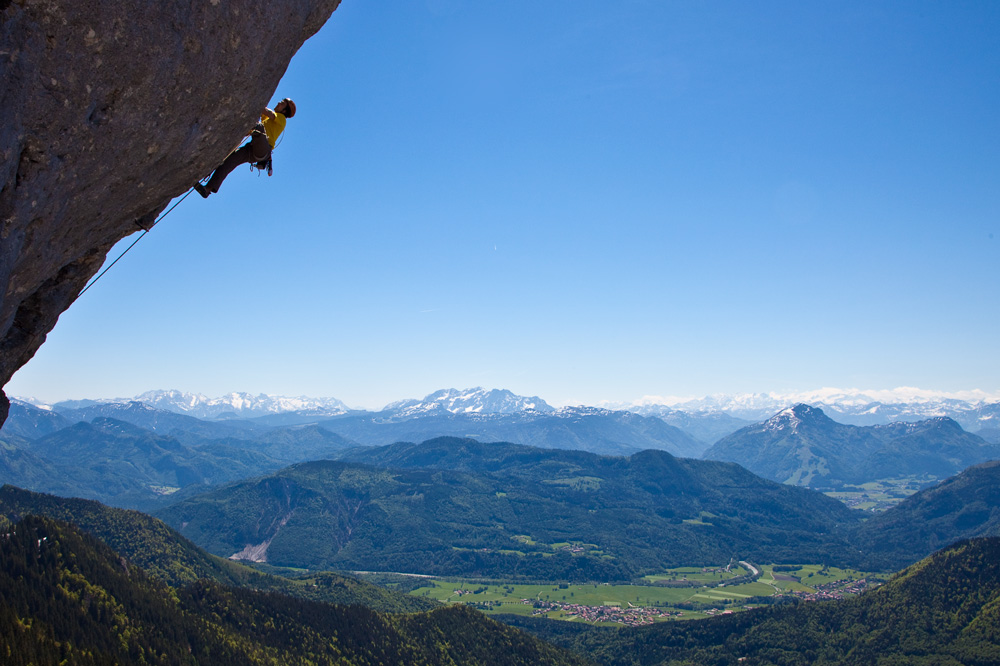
121, 587
461, 508
166, 555
69, 599
639, 514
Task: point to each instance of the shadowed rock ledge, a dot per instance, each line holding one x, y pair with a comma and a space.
110, 108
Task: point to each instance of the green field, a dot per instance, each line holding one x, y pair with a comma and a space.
703, 594
882, 494
810, 577
706, 575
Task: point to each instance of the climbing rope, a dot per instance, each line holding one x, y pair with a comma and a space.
144, 232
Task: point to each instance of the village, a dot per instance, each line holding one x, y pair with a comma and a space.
611, 607
632, 616
837, 589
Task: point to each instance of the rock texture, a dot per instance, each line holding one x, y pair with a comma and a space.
110, 108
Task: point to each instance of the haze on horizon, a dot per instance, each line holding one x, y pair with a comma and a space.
712, 402
589, 203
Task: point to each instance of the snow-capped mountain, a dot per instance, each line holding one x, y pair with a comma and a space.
707, 418
791, 418
242, 405
468, 401
974, 410
232, 405
802, 445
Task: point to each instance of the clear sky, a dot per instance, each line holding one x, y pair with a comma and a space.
585, 201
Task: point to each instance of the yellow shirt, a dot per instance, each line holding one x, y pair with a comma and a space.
274, 127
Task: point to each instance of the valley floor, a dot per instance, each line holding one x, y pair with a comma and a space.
683, 593
882, 494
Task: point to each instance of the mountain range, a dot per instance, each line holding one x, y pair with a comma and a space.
591, 429
470, 401
232, 405
134, 455
88, 449
507, 510
123, 464
974, 410
801, 445
458, 506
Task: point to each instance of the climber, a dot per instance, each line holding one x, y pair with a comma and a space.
256, 151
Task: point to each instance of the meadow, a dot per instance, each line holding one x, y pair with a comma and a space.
681, 593
882, 494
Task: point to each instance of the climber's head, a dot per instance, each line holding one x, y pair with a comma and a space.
285, 107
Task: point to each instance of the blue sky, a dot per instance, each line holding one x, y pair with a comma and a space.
585, 201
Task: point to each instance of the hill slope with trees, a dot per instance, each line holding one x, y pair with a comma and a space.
69, 599
167, 556
514, 511
962, 507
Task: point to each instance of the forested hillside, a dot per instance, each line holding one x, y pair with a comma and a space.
123, 464
964, 506
164, 554
515, 512
71, 600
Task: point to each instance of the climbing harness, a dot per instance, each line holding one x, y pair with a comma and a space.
144, 232
264, 165
267, 164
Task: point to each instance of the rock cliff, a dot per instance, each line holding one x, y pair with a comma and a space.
111, 108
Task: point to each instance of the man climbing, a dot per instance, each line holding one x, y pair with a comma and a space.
256, 151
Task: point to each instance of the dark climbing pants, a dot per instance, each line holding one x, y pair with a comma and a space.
257, 149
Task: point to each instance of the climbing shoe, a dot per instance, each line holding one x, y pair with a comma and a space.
200, 189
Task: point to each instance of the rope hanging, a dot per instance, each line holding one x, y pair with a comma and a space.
155, 222
144, 232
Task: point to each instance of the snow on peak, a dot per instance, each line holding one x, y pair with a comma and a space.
887, 405
243, 405
792, 417
468, 401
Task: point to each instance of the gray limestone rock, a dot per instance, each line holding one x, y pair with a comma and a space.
108, 110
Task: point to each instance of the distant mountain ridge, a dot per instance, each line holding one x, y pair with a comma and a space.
591, 429
476, 400
803, 446
127, 465
708, 418
974, 410
88, 452
135, 456
232, 405
265, 443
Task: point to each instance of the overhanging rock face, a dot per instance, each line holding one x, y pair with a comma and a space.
108, 110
